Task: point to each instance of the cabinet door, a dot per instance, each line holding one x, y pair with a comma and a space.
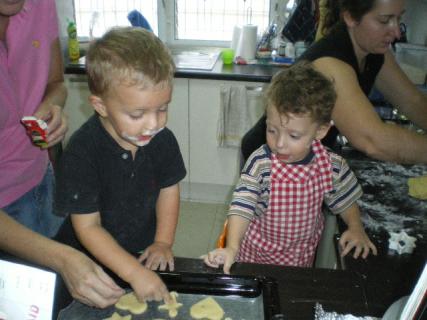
77, 106
178, 118
212, 169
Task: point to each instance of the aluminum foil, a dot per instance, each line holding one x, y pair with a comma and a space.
320, 314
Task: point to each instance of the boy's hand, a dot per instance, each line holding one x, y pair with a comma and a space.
158, 256
218, 257
148, 286
358, 239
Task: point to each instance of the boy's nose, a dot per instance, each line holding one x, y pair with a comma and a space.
152, 122
281, 142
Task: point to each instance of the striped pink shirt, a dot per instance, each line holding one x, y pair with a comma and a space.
24, 70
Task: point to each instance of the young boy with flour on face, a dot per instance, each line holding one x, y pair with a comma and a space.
118, 176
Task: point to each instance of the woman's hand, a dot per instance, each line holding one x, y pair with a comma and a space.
57, 124
87, 282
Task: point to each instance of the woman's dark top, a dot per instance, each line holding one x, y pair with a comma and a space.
337, 45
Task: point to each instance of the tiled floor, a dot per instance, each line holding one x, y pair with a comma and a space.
198, 228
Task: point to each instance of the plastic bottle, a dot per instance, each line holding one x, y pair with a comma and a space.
73, 43
290, 50
300, 47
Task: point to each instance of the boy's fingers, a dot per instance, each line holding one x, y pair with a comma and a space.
171, 265
373, 248
227, 267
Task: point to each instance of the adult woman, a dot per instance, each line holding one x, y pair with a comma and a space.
32, 84
356, 54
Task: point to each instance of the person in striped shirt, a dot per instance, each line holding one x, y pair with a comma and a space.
275, 216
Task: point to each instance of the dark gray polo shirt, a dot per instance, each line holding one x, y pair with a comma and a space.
96, 174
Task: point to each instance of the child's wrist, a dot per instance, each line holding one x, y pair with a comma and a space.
131, 271
163, 244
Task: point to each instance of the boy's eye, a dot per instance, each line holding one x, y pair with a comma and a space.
136, 116
295, 137
164, 108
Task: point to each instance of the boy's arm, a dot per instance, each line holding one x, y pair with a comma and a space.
236, 229
355, 236
167, 209
103, 246
159, 254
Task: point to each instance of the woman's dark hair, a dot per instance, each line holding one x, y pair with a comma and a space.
356, 8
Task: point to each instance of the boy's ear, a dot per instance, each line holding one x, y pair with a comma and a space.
98, 104
323, 130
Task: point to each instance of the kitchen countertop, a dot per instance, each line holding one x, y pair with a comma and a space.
364, 287
252, 73
301, 288
387, 207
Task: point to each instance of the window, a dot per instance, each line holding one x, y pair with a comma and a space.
178, 21
215, 19
100, 15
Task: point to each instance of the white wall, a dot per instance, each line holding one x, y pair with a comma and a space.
415, 19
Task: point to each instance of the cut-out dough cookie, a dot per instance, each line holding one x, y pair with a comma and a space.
173, 306
207, 309
418, 187
116, 316
131, 303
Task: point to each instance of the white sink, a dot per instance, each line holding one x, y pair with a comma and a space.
195, 60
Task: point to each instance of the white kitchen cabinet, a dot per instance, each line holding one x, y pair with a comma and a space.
213, 170
77, 106
178, 123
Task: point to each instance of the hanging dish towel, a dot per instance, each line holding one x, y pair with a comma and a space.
240, 108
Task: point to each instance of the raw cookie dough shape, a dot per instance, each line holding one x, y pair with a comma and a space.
131, 303
116, 316
207, 309
173, 306
418, 187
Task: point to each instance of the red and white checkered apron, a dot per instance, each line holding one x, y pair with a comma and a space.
288, 232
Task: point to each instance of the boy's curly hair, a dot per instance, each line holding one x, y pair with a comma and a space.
300, 89
128, 55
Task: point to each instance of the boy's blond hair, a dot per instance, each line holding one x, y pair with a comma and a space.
130, 56
302, 90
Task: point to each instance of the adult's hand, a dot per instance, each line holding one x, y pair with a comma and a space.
87, 282
57, 124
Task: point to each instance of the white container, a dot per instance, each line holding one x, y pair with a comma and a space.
412, 54
300, 47
290, 50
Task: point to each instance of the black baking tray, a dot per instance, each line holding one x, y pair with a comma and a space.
231, 291
227, 285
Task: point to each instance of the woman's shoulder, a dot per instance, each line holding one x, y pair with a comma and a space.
336, 44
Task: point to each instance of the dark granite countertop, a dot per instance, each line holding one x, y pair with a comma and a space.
300, 288
386, 207
252, 73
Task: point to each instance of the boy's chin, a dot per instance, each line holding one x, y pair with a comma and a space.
140, 143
